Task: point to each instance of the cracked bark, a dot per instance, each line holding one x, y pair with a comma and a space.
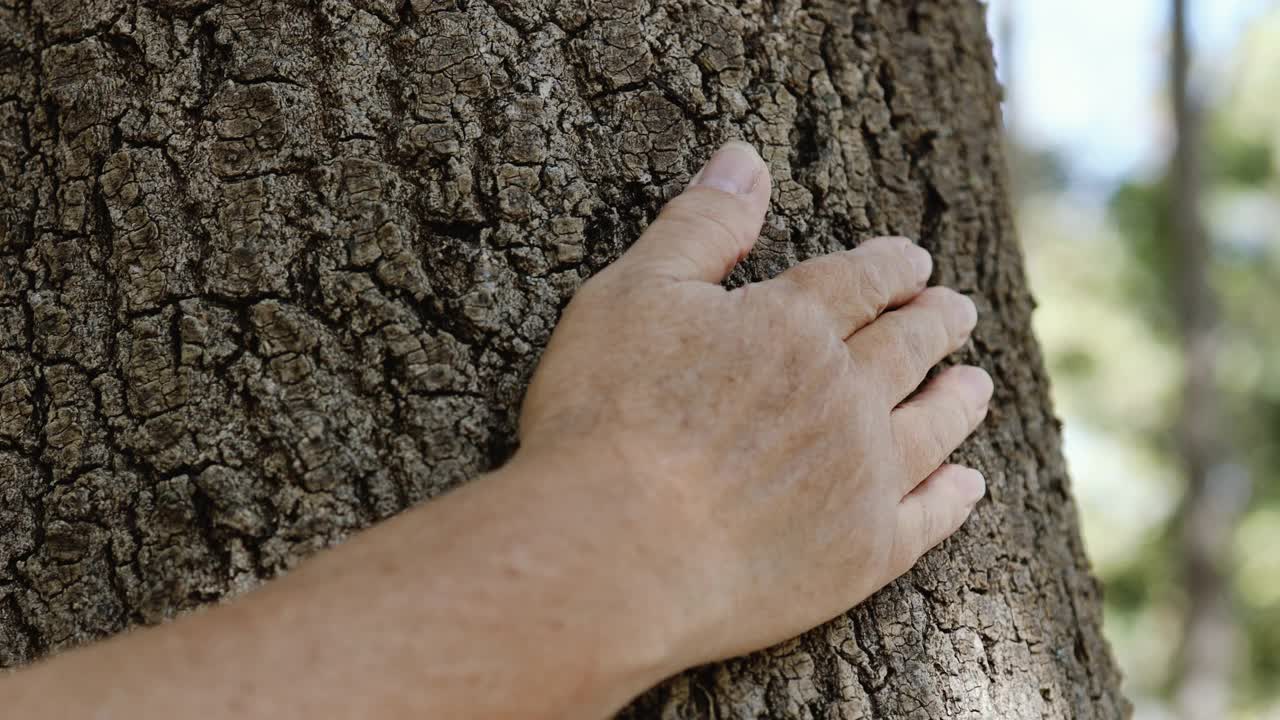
272, 271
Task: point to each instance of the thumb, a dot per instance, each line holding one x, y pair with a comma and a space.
703, 232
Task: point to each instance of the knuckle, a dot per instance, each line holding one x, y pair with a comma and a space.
907, 349
929, 529
800, 280
872, 284
929, 333
923, 333
708, 219
798, 295
939, 336
936, 439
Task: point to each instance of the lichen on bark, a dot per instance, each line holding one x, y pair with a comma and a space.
271, 271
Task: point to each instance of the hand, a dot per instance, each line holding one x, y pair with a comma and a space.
768, 447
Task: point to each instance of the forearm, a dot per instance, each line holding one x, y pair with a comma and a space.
488, 603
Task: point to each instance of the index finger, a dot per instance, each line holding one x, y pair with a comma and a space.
856, 286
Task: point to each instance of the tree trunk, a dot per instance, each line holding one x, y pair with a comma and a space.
275, 270
1217, 489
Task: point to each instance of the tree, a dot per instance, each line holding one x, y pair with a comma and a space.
275, 270
1217, 490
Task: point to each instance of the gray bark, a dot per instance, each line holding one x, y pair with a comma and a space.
271, 271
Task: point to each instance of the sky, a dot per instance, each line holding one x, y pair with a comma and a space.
1087, 75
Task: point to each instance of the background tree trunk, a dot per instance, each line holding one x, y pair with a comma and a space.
1217, 489
274, 270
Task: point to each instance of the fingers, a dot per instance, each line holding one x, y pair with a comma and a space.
898, 349
857, 285
702, 233
931, 425
935, 510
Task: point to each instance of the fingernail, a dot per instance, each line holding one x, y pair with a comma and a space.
734, 168
921, 261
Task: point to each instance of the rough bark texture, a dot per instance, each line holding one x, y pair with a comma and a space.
271, 271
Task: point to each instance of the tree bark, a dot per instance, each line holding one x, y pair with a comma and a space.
272, 271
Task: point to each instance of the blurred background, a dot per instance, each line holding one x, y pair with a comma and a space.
1144, 139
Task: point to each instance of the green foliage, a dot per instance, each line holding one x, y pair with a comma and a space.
1240, 160
1140, 211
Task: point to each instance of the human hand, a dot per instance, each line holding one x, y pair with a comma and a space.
764, 444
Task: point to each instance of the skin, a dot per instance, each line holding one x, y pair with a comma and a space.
703, 472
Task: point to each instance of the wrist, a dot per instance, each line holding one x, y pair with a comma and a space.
623, 547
